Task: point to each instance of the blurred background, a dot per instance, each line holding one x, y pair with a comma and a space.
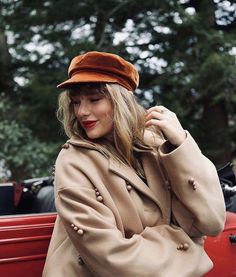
185, 51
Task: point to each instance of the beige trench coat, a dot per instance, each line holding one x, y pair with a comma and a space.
110, 223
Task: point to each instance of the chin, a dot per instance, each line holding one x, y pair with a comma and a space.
93, 136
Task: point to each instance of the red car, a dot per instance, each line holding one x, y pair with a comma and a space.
24, 239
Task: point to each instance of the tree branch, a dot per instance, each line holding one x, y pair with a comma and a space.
103, 20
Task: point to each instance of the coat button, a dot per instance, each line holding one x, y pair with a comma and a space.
129, 187
80, 232
75, 228
167, 183
65, 146
99, 198
53, 170
180, 247
192, 183
185, 246
72, 225
80, 261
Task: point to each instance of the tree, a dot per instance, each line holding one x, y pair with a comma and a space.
193, 41
183, 50
22, 154
200, 72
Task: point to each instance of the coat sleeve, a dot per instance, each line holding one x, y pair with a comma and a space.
91, 226
197, 199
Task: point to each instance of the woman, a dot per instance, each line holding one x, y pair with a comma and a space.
129, 202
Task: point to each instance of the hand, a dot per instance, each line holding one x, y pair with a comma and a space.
167, 122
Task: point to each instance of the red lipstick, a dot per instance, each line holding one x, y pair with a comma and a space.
88, 124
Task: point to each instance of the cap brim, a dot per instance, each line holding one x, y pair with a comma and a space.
88, 77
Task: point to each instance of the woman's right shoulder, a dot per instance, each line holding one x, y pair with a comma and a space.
73, 166
80, 155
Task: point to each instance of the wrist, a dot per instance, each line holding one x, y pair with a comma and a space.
178, 141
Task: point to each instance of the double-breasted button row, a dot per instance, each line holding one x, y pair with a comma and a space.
183, 246
80, 260
77, 229
53, 170
192, 183
167, 183
98, 195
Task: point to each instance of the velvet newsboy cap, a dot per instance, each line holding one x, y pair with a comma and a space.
101, 67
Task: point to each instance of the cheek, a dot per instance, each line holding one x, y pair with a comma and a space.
105, 112
109, 124
108, 119
109, 116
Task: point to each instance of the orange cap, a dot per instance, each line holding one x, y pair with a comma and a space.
101, 67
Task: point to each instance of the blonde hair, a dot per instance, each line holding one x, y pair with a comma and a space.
129, 122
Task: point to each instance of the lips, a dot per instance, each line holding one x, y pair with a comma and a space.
88, 124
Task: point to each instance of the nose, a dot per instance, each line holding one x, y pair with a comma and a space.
83, 109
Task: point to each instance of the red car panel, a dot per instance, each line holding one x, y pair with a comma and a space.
222, 250
24, 243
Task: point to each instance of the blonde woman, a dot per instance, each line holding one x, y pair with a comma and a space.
134, 194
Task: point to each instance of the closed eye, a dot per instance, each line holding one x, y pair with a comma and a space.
95, 99
75, 102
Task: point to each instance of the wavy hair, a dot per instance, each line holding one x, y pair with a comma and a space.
129, 122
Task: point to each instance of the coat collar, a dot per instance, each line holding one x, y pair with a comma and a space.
80, 143
132, 178
122, 170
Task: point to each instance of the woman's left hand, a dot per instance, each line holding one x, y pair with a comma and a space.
167, 122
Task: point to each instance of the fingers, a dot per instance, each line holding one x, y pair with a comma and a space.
158, 109
167, 122
159, 115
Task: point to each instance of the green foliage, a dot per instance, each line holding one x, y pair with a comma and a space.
22, 154
183, 50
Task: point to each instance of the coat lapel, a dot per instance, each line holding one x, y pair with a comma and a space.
131, 177
157, 183
155, 189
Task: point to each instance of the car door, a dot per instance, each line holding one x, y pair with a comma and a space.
24, 241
